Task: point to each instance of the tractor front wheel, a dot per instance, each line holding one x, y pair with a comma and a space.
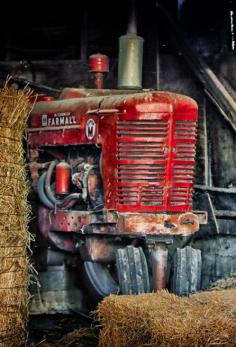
128, 276
132, 270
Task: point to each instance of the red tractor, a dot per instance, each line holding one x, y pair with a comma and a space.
114, 171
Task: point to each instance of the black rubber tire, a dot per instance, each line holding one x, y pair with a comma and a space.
98, 281
132, 271
186, 271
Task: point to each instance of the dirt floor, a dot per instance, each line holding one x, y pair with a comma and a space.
80, 330
62, 331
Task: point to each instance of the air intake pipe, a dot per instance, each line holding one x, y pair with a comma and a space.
130, 61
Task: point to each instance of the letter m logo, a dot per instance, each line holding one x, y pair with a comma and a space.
90, 129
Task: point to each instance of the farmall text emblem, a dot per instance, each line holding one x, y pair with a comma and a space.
90, 129
58, 119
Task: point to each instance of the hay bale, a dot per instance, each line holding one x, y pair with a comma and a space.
14, 237
224, 283
163, 319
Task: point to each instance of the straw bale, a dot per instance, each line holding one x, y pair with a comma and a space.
12, 252
13, 221
163, 319
17, 222
11, 187
13, 296
12, 263
12, 171
14, 330
13, 278
14, 214
11, 151
13, 204
8, 143
13, 238
15, 235
224, 283
12, 134
14, 108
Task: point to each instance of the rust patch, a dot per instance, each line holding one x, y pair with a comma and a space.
148, 223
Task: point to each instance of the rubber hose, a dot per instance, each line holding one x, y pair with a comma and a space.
69, 201
48, 189
41, 193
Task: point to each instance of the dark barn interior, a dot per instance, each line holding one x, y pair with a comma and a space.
190, 49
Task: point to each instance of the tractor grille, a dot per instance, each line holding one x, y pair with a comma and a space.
141, 161
155, 161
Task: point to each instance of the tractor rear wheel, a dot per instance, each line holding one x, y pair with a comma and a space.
132, 270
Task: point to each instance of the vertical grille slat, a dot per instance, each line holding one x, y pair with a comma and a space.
184, 162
